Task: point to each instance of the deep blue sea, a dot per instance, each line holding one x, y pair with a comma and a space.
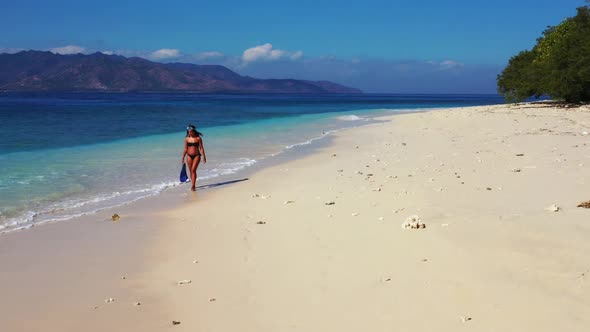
64, 155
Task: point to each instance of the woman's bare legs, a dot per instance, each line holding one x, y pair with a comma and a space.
192, 166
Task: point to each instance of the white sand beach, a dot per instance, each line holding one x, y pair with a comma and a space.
317, 244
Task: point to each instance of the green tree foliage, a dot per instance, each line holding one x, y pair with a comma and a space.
558, 65
520, 79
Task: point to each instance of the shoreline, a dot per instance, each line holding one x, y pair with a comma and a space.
289, 152
307, 263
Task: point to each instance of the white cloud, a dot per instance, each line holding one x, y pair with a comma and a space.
165, 53
297, 55
451, 64
107, 52
446, 64
209, 55
10, 50
69, 49
267, 53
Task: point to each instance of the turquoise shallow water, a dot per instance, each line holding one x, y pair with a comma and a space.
71, 177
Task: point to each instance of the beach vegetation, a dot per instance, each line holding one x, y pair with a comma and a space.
557, 66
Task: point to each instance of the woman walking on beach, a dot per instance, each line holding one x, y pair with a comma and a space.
193, 147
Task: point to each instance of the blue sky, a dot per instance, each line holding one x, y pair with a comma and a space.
379, 46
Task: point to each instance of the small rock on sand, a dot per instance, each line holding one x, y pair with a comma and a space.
261, 222
413, 222
585, 205
289, 202
553, 208
330, 203
115, 217
520, 154
465, 319
109, 300
184, 282
516, 170
355, 214
175, 322
137, 303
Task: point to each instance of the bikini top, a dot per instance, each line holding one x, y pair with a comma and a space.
192, 143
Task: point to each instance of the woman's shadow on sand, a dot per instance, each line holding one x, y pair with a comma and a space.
218, 184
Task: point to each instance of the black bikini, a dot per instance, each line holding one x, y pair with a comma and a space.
193, 144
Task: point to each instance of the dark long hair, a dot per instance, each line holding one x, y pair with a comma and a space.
190, 128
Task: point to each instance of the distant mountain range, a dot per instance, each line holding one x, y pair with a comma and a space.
46, 71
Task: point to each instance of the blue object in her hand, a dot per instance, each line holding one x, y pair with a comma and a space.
183, 175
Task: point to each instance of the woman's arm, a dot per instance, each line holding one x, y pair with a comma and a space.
184, 152
202, 147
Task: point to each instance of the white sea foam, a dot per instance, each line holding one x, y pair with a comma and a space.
227, 168
350, 117
67, 210
311, 140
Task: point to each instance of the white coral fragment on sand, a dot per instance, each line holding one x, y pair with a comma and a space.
553, 208
413, 222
